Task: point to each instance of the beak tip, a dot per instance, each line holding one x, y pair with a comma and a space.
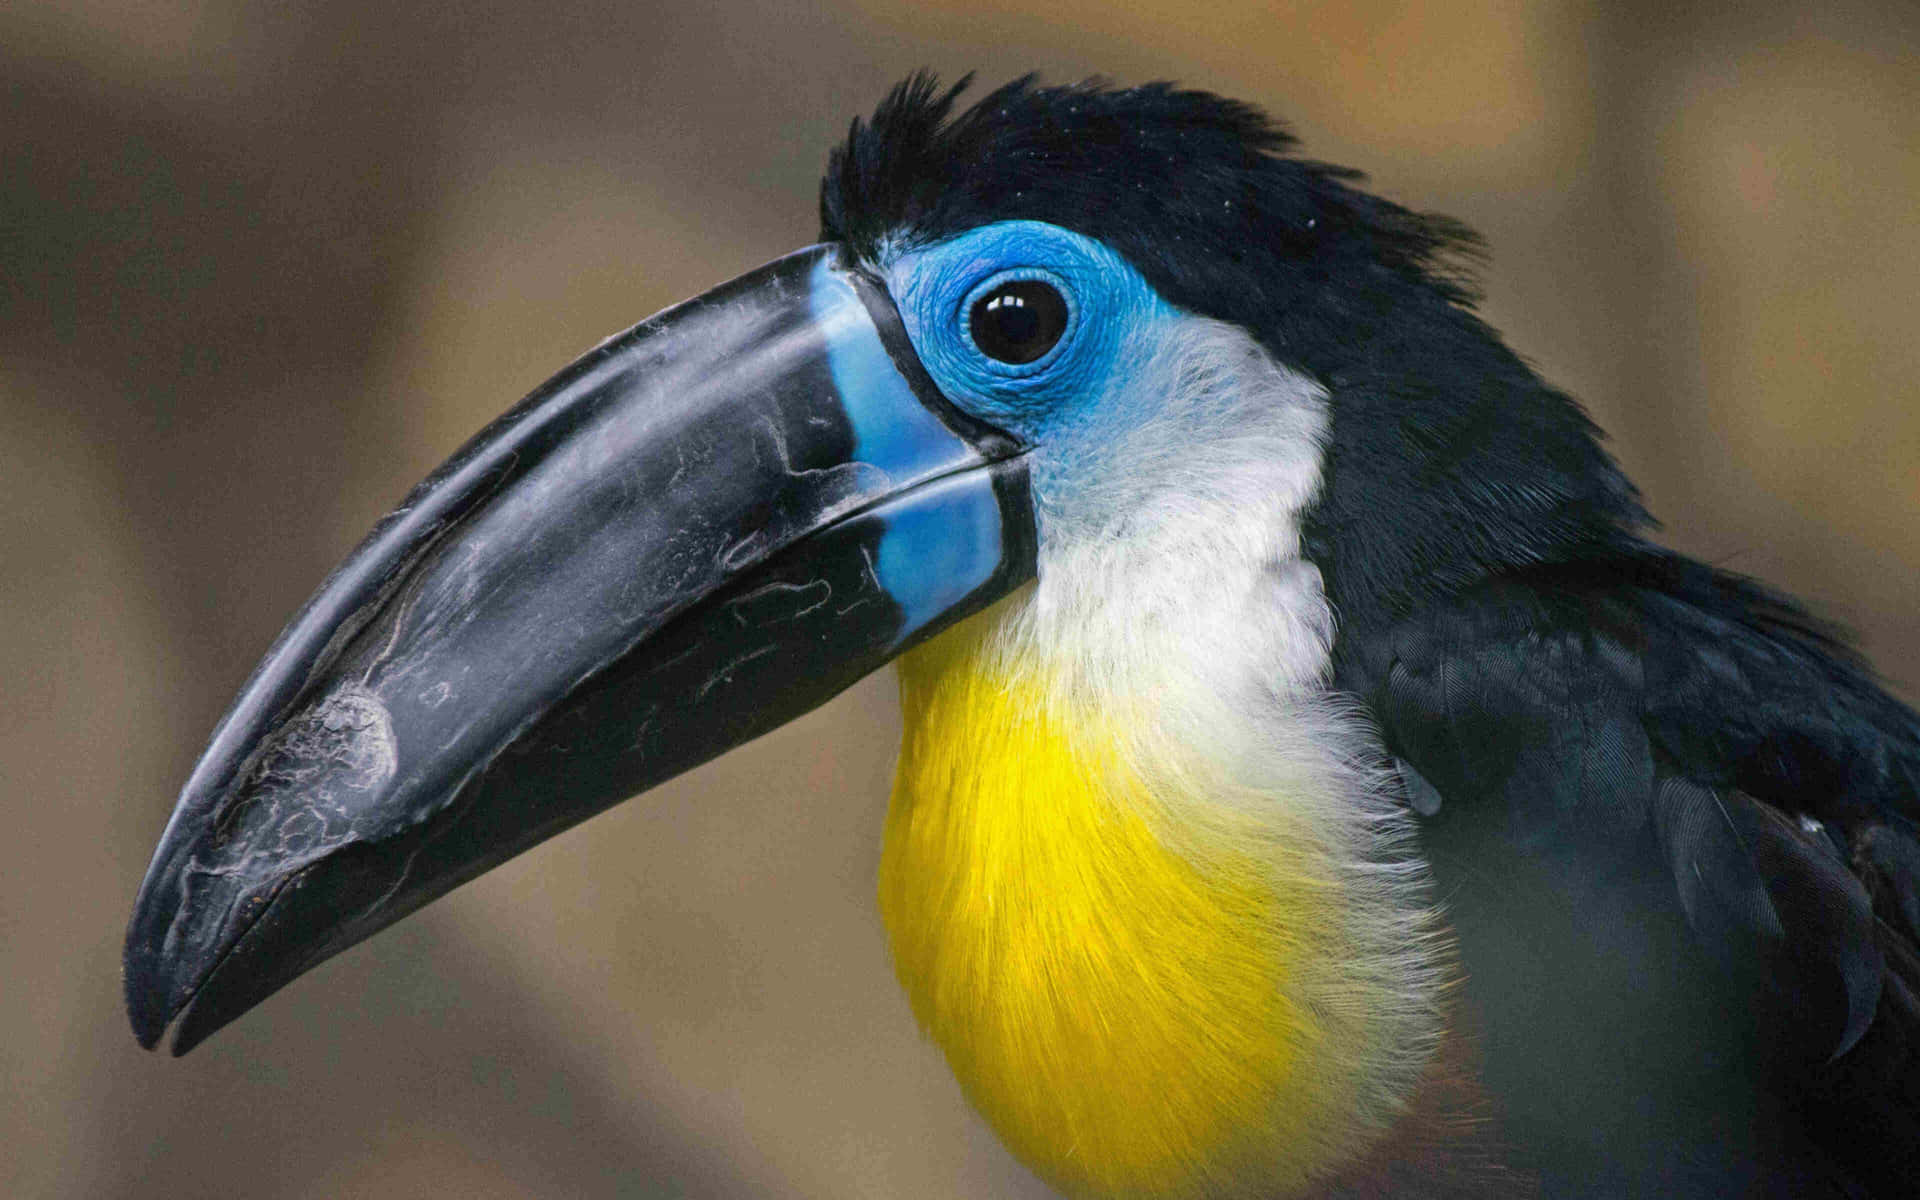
190, 1033
165, 975
201, 971
147, 1035
157, 1001
147, 1009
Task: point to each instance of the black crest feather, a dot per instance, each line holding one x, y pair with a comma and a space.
1162, 174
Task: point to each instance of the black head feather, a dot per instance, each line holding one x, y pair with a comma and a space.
1449, 459
1196, 190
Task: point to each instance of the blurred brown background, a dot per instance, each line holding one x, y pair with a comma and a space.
262, 265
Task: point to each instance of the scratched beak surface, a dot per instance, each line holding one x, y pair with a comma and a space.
700, 530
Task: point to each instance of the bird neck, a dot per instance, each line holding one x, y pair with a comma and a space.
1156, 971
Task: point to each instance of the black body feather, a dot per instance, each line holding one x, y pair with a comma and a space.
1638, 743
1675, 822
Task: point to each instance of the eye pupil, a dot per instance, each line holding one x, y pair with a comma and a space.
1018, 322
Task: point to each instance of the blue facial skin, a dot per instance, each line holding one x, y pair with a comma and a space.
1072, 392
940, 540
940, 543
943, 541
892, 430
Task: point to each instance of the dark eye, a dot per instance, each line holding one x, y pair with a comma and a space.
1018, 321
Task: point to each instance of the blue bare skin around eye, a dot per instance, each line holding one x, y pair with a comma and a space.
892, 430
942, 540
940, 543
1112, 311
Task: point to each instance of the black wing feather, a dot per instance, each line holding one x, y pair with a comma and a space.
1645, 718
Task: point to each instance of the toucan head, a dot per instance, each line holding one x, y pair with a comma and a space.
1064, 314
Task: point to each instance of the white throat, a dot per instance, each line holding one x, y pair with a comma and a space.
1172, 592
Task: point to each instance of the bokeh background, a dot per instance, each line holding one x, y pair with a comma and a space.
262, 265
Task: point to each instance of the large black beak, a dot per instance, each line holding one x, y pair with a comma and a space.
702, 529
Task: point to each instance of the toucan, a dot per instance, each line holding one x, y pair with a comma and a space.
1313, 780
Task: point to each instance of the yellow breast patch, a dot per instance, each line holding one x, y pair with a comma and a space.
1126, 1014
